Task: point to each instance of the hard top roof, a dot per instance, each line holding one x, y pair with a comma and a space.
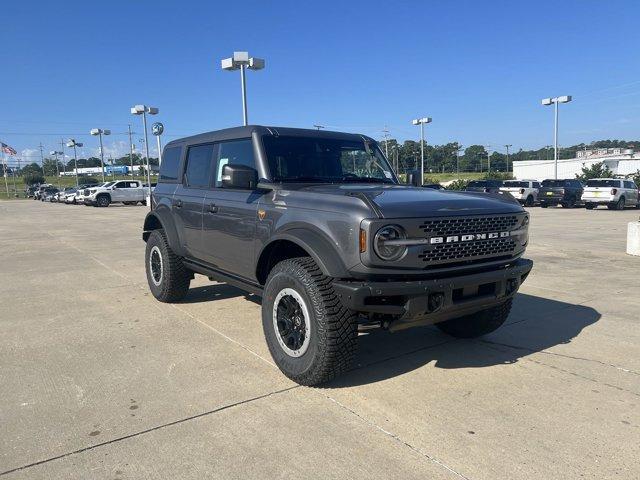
247, 131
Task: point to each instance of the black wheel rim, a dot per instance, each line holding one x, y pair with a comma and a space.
155, 265
291, 322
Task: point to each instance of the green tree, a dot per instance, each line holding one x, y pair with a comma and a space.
597, 170
32, 178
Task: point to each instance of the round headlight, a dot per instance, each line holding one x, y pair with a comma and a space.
384, 246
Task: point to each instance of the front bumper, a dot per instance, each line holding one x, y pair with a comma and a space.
424, 302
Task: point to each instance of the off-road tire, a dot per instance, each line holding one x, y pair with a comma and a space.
333, 328
103, 201
477, 324
175, 277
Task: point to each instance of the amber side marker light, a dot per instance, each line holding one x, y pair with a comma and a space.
363, 241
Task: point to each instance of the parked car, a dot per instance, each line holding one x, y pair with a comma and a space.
128, 192
566, 192
612, 192
525, 191
37, 195
434, 186
48, 194
30, 191
329, 243
486, 186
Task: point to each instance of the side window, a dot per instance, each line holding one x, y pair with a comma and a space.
628, 184
133, 184
536, 184
236, 152
198, 169
121, 185
170, 164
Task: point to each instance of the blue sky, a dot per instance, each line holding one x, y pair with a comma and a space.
479, 68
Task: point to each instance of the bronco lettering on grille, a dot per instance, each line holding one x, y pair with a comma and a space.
468, 237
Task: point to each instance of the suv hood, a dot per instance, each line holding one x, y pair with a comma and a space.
401, 201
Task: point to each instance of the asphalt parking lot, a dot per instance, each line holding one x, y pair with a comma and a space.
99, 380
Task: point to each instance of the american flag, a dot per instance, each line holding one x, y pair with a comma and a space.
7, 149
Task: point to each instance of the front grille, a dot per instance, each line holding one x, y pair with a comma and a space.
462, 226
465, 252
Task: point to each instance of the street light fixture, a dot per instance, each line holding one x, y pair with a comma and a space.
555, 101
143, 110
421, 122
100, 132
73, 144
241, 61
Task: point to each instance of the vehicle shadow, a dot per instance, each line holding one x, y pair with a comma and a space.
217, 291
535, 324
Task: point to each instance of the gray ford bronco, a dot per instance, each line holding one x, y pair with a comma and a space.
317, 224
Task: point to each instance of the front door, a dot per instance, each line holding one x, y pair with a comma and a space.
188, 199
230, 215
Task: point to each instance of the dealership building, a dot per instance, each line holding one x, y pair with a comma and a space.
111, 170
621, 161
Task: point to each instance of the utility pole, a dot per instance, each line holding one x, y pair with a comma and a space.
507, 147
42, 158
318, 127
4, 172
385, 134
64, 165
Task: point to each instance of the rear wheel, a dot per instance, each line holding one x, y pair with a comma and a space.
167, 276
589, 206
477, 324
312, 337
529, 201
543, 205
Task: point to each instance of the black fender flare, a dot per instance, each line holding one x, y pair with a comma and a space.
326, 256
160, 218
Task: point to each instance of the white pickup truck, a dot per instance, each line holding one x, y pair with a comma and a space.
612, 192
525, 191
128, 192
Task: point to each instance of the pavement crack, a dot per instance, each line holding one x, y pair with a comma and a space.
547, 352
149, 430
395, 437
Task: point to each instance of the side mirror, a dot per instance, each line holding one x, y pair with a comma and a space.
239, 176
413, 178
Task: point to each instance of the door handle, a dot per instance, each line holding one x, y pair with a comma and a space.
177, 203
213, 208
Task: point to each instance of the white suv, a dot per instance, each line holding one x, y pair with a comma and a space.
525, 191
128, 192
612, 192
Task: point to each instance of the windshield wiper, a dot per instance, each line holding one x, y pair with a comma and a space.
365, 180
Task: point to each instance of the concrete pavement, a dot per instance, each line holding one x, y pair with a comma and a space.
99, 380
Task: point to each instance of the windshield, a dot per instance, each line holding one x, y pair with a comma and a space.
513, 183
553, 183
330, 160
603, 183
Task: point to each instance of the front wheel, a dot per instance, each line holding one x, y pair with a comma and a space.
167, 276
312, 337
477, 324
103, 201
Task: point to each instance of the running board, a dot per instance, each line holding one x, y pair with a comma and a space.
219, 276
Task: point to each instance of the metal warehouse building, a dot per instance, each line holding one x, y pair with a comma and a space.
621, 161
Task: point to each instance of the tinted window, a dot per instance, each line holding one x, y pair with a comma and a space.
553, 183
628, 184
237, 152
198, 170
536, 184
121, 185
602, 183
475, 183
513, 183
170, 163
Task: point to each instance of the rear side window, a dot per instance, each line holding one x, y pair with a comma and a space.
237, 152
476, 183
536, 184
170, 164
603, 183
198, 169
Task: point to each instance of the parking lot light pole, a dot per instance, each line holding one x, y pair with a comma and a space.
241, 61
143, 110
73, 144
555, 101
100, 132
421, 122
